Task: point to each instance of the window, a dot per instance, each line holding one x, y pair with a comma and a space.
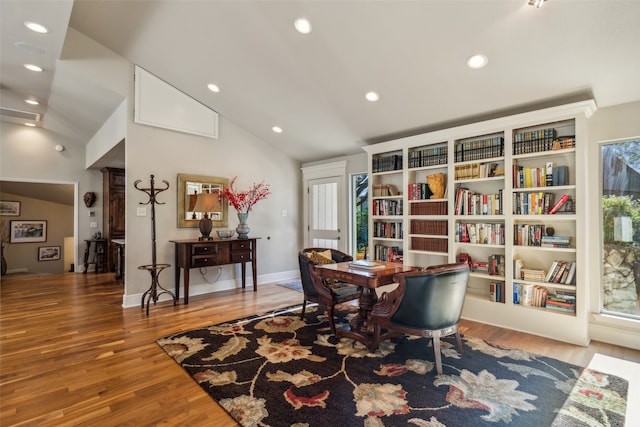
620, 216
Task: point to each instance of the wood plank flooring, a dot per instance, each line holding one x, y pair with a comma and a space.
71, 355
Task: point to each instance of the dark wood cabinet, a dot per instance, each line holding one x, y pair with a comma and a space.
114, 184
206, 253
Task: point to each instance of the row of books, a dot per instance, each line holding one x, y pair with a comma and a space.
533, 141
562, 272
387, 207
528, 294
480, 233
429, 244
386, 163
419, 191
430, 156
384, 190
388, 253
389, 230
477, 170
543, 144
547, 176
561, 301
496, 292
436, 228
429, 208
555, 241
540, 203
528, 234
469, 202
479, 149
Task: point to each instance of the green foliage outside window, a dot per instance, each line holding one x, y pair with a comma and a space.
617, 206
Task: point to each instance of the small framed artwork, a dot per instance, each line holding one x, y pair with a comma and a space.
28, 231
49, 253
8, 208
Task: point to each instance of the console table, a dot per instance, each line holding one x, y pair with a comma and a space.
206, 253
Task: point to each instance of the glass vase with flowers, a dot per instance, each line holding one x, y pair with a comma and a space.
243, 202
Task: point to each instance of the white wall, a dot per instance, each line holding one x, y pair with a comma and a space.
28, 154
165, 154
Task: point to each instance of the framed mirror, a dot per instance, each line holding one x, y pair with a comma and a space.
189, 187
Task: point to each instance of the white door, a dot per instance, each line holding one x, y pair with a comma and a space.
325, 213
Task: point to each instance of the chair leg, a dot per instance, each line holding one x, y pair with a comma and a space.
459, 342
304, 307
331, 322
436, 352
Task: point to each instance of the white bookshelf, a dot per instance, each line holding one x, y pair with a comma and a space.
430, 228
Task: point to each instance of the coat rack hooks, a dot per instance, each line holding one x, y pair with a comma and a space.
155, 290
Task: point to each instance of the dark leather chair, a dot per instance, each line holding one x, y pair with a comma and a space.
426, 303
317, 290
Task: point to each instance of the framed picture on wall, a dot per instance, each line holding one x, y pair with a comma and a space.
28, 231
9, 208
49, 253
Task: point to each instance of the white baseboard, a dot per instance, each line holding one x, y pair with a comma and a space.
135, 300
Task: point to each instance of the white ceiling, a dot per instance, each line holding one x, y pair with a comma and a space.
412, 52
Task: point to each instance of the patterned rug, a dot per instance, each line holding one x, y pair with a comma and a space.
277, 370
296, 285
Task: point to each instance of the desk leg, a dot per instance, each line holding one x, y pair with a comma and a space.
186, 285
244, 274
86, 258
177, 274
255, 275
358, 327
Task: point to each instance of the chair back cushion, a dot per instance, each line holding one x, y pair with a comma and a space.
432, 300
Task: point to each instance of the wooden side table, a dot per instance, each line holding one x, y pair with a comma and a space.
99, 252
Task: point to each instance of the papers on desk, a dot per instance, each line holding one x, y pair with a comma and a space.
366, 264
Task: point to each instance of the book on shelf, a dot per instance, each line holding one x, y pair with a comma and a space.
548, 174
560, 175
563, 199
366, 264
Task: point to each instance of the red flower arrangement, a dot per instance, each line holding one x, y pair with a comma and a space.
243, 201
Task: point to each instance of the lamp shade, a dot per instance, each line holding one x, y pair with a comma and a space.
208, 202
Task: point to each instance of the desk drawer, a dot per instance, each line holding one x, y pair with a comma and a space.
204, 260
240, 256
204, 248
241, 245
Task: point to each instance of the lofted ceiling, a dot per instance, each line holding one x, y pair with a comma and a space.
413, 53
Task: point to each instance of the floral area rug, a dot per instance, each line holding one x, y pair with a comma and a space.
278, 370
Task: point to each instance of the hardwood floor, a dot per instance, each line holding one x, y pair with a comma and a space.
71, 355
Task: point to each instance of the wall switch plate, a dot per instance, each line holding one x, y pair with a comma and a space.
284, 212
93, 224
141, 212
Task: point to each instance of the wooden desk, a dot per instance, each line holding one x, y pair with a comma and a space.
206, 253
119, 244
369, 279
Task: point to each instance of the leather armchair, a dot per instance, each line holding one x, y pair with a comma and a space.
317, 290
426, 303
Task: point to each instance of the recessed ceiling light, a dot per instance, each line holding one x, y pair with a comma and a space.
32, 67
372, 96
34, 26
213, 87
277, 129
31, 125
31, 101
477, 61
302, 25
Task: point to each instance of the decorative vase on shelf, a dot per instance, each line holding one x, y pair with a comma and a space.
243, 228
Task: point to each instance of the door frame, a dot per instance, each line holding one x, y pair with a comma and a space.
334, 169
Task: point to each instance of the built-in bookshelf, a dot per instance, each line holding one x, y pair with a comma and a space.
512, 207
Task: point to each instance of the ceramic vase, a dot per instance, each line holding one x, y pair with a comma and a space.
243, 228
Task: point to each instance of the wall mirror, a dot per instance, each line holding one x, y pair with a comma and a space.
189, 187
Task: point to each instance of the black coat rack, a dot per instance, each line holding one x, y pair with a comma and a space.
155, 290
